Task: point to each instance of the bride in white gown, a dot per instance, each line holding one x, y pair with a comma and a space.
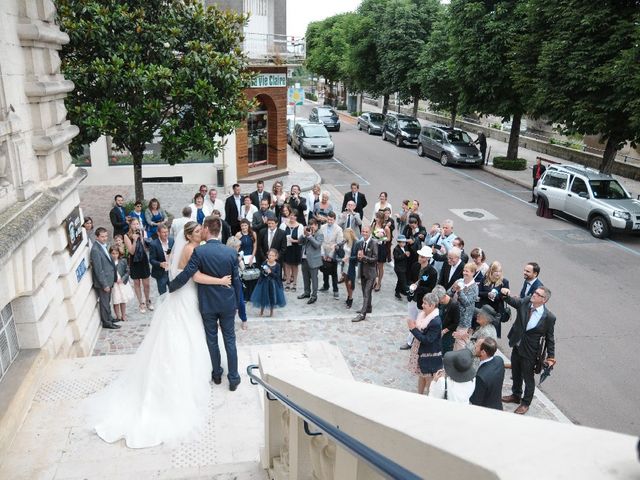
162, 395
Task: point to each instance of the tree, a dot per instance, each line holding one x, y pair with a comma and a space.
482, 50
437, 69
587, 74
143, 68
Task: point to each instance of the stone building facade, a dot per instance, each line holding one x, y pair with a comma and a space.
47, 306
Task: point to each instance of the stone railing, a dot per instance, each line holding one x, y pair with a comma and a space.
431, 438
271, 48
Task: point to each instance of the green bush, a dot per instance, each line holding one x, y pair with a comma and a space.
311, 96
342, 106
355, 114
503, 164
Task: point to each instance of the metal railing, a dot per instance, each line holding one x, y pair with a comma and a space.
383, 465
268, 46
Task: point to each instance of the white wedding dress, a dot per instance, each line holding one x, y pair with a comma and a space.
163, 395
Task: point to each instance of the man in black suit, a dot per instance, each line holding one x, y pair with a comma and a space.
368, 257
400, 258
118, 216
232, 206
358, 198
534, 322
271, 237
531, 280
259, 194
158, 251
489, 377
259, 220
452, 270
103, 273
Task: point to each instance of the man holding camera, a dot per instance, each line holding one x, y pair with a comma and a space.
311, 244
159, 251
349, 218
332, 234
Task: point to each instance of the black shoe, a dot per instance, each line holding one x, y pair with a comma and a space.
398, 296
233, 386
304, 295
349, 302
312, 300
405, 347
110, 325
358, 318
324, 289
216, 380
116, 320
532, 201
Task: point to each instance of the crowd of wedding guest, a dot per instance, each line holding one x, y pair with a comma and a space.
288, 241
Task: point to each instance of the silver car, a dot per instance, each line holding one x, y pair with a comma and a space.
451, 146
592, 197
371, 122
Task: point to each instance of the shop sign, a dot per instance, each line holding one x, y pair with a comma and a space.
73, 228
295, 96
264, 80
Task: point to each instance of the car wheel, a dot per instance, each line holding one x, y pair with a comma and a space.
398, 142
420, 150
359, 126
369, 130
599, 227
384, 136
444, 159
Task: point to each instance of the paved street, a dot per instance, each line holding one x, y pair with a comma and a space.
594, 283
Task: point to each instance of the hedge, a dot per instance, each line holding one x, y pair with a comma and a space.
503, 164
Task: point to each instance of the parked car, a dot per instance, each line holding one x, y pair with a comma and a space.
589, 196
312, 140
402, 129
449, 145
291, 123
326, 116
371, 122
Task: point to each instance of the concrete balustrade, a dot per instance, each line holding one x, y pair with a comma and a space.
432, 438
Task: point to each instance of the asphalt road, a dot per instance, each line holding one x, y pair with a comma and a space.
594, 283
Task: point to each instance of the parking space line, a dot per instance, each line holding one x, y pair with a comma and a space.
619, 245
363, 181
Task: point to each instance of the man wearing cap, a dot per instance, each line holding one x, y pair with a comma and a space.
456, 382
400, 260
490, 376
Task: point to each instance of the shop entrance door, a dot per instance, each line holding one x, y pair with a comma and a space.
257, 137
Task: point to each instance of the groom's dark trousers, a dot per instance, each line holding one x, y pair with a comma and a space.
218, 304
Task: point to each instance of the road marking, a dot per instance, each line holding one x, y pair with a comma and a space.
619, 245
363, 181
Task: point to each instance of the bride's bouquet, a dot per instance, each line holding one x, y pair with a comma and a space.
380, 235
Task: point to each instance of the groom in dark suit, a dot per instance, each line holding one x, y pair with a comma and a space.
533, 322
218, 304
489, 377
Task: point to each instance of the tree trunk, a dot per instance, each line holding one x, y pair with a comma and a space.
137, 174
609, 156
454, 114
385, 103
416, 100
514, 137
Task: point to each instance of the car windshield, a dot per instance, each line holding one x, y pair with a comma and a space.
409, 124
458, 136
326, 112
315, 131
607, 190
376, 117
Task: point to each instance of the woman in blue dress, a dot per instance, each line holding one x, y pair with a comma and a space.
269, 291
155, 216
197, 209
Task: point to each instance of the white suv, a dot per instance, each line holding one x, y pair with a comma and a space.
587, 195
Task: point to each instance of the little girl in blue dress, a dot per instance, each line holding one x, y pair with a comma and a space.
269, 291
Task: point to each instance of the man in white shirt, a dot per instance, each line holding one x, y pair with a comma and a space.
212, 202
332, 236
178, 224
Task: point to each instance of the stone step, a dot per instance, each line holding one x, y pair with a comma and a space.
263, 173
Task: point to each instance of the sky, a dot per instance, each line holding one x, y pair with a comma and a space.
301, 12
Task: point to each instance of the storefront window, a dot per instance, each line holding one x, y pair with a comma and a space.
9, 347
257, 137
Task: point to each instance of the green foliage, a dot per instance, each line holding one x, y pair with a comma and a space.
341, 106
311, 96
566, 143
142, 68
503, 163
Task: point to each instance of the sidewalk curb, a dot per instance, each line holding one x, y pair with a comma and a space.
497, 173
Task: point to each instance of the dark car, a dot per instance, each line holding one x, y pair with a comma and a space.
371, 122
326, 116
312, 140
449, 145
402, 129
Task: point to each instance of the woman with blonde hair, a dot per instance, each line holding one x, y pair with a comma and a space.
278, 197
466, 292
139, 264
349, 263
489, 294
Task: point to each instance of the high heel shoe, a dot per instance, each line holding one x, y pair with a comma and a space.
349, 302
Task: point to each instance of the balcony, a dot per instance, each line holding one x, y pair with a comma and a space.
272, 49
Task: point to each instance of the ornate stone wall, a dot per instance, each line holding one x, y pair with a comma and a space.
53, 304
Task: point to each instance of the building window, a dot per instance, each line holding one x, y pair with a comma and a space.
9, 347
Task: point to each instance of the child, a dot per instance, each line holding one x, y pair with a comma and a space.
122, 291
400, 261
118, 241
269, 291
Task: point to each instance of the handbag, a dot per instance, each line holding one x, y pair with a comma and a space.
249, 274
541, 355
338, 252
505, 315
